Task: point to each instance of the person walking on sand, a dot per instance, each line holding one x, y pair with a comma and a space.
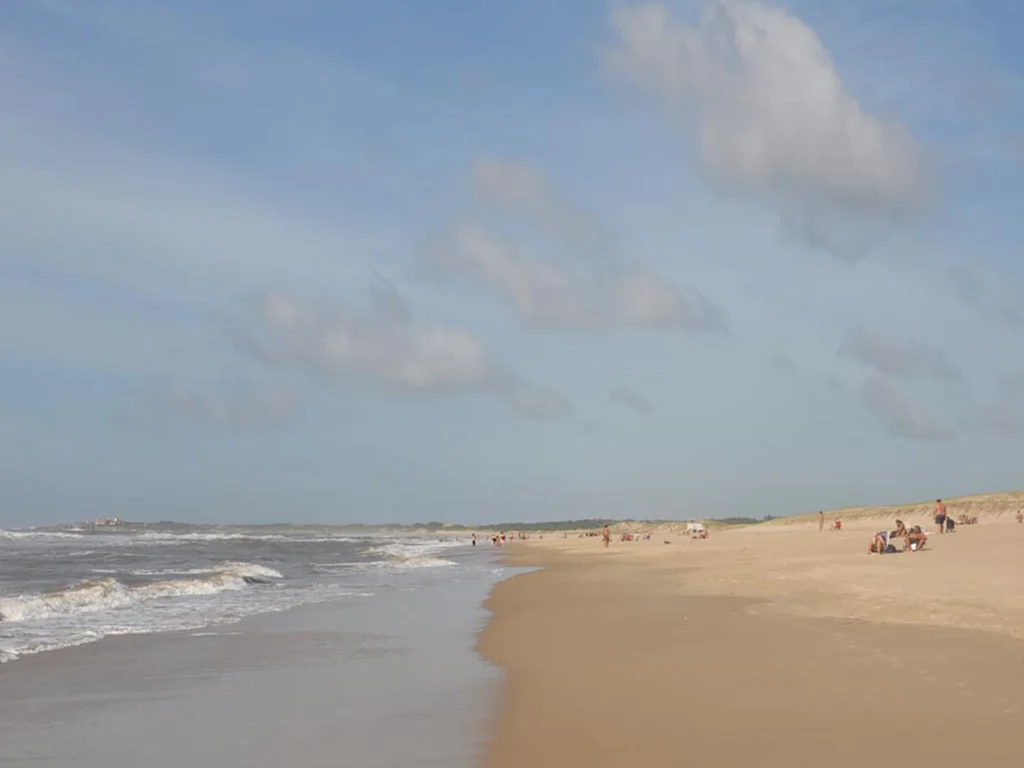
821, 522
606, 534
940, 515
1020, 516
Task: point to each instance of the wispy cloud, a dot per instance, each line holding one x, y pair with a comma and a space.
1013, 383
900, 416
631, 399
234, 409
389, 304
539, 403
982, 298
522, 190
767, 115
379, 355
547, 295
786, 367
1004, 419
901, 358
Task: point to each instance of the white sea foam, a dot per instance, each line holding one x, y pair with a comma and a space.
242, 569
214, 634
192, 537
408, 548
397, 563
109, 593
130, 582
41, 535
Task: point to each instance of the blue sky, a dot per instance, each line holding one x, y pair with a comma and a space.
399, 261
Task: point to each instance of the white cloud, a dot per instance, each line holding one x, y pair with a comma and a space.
518, 189
769, 116
903, 359
901, 417
362, 354
365, 354
547, 295
631, 399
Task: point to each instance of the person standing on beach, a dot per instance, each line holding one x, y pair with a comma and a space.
821, 522
606, 534
1020, 517
940, 515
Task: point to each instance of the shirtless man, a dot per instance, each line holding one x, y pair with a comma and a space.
606, 534
940, 515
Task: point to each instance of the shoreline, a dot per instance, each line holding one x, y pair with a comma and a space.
371, 682
638, 656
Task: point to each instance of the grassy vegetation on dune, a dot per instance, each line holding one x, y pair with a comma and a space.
978, 505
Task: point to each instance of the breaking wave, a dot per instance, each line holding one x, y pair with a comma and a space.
108, 593
414, 553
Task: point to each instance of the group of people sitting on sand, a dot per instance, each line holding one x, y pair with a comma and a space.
914, 539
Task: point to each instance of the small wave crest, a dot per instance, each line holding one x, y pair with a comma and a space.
200, 537
108, 593
394, 563
42, 535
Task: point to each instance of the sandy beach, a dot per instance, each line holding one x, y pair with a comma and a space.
775, 644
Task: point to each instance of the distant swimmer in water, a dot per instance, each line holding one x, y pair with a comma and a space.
474, 539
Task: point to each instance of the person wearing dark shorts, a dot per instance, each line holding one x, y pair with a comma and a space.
940, 515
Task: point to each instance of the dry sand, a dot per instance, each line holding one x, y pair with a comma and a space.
774, 645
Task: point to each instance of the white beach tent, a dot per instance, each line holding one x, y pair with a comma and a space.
696, 529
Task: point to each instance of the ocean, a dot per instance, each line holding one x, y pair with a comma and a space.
190, 634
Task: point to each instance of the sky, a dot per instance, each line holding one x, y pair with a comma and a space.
484, 261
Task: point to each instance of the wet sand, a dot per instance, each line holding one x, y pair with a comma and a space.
774, 646
371, 684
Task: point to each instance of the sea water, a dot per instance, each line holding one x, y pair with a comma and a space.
242, 646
